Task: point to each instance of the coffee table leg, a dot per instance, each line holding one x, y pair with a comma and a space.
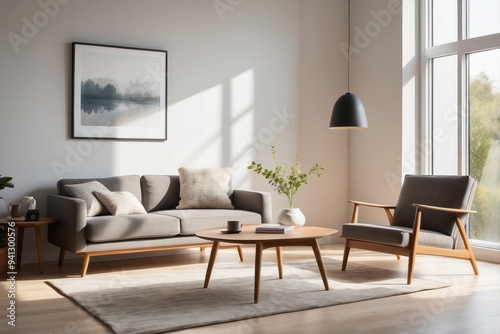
211, 261
258, 263
317, 254
279, 258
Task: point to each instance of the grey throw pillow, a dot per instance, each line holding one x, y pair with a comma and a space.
204, 188
85, 191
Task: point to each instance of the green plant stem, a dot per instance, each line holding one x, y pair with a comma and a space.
285, 179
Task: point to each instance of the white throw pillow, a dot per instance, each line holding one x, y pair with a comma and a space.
204, 188
85, 191
120, 202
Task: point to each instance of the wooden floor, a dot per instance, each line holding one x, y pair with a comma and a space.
470, 305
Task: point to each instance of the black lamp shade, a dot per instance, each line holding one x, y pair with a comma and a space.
348, 112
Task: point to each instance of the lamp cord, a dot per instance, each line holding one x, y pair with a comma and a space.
349, 46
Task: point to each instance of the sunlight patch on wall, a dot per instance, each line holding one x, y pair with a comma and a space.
242, 126
212, 128
195, 123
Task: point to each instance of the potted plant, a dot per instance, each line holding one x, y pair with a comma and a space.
287, 180
5, 182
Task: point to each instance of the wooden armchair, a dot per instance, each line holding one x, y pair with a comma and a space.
429, 218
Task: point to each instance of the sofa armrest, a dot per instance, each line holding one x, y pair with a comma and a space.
254, 201
69, 230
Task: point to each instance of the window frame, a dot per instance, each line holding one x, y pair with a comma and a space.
462, 48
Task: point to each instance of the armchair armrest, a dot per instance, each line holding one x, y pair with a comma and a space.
458, 222
440, 208
68, 232
357, 204
375, 205
254, 201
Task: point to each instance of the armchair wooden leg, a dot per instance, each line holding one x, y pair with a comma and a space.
62, 252
347, 248
465, 240
411, 263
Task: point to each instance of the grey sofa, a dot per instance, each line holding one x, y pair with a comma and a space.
162, 227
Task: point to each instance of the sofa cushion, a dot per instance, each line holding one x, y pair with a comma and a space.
204, 188
130, 183
160, 192
120, 202
85, 191
194, 220
128, 227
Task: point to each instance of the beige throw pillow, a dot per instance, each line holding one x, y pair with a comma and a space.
85, 191
120, 202
204, 188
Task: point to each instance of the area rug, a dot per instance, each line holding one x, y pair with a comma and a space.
177, 300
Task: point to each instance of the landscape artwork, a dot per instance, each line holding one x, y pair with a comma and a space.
119, 92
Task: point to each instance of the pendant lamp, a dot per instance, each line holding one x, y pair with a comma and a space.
348, 112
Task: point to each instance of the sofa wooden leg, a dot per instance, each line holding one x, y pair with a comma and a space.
85, 263
202, 249
62, 252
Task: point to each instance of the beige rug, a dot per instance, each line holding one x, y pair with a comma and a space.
177, 300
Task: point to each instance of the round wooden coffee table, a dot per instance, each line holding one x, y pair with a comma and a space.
304, 236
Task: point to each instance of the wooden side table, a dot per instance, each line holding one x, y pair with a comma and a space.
21, 225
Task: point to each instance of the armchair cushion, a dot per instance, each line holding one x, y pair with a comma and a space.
445, 191
394, 235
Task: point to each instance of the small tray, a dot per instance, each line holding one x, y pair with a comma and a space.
16, 219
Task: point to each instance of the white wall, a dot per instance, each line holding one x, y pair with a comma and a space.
375, 153
229, 77
323, 71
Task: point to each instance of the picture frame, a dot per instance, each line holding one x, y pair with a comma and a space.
119, 92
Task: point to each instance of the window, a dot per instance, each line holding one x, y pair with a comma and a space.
462, 98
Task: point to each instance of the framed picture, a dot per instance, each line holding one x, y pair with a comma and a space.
119, 92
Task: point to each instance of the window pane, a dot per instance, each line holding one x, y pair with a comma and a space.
484, 17
484, 104
444, 21
444, 116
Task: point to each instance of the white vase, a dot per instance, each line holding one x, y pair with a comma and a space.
28, 203
292, 216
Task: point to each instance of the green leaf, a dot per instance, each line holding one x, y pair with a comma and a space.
5, 182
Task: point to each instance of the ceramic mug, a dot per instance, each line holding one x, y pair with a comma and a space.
234, 226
